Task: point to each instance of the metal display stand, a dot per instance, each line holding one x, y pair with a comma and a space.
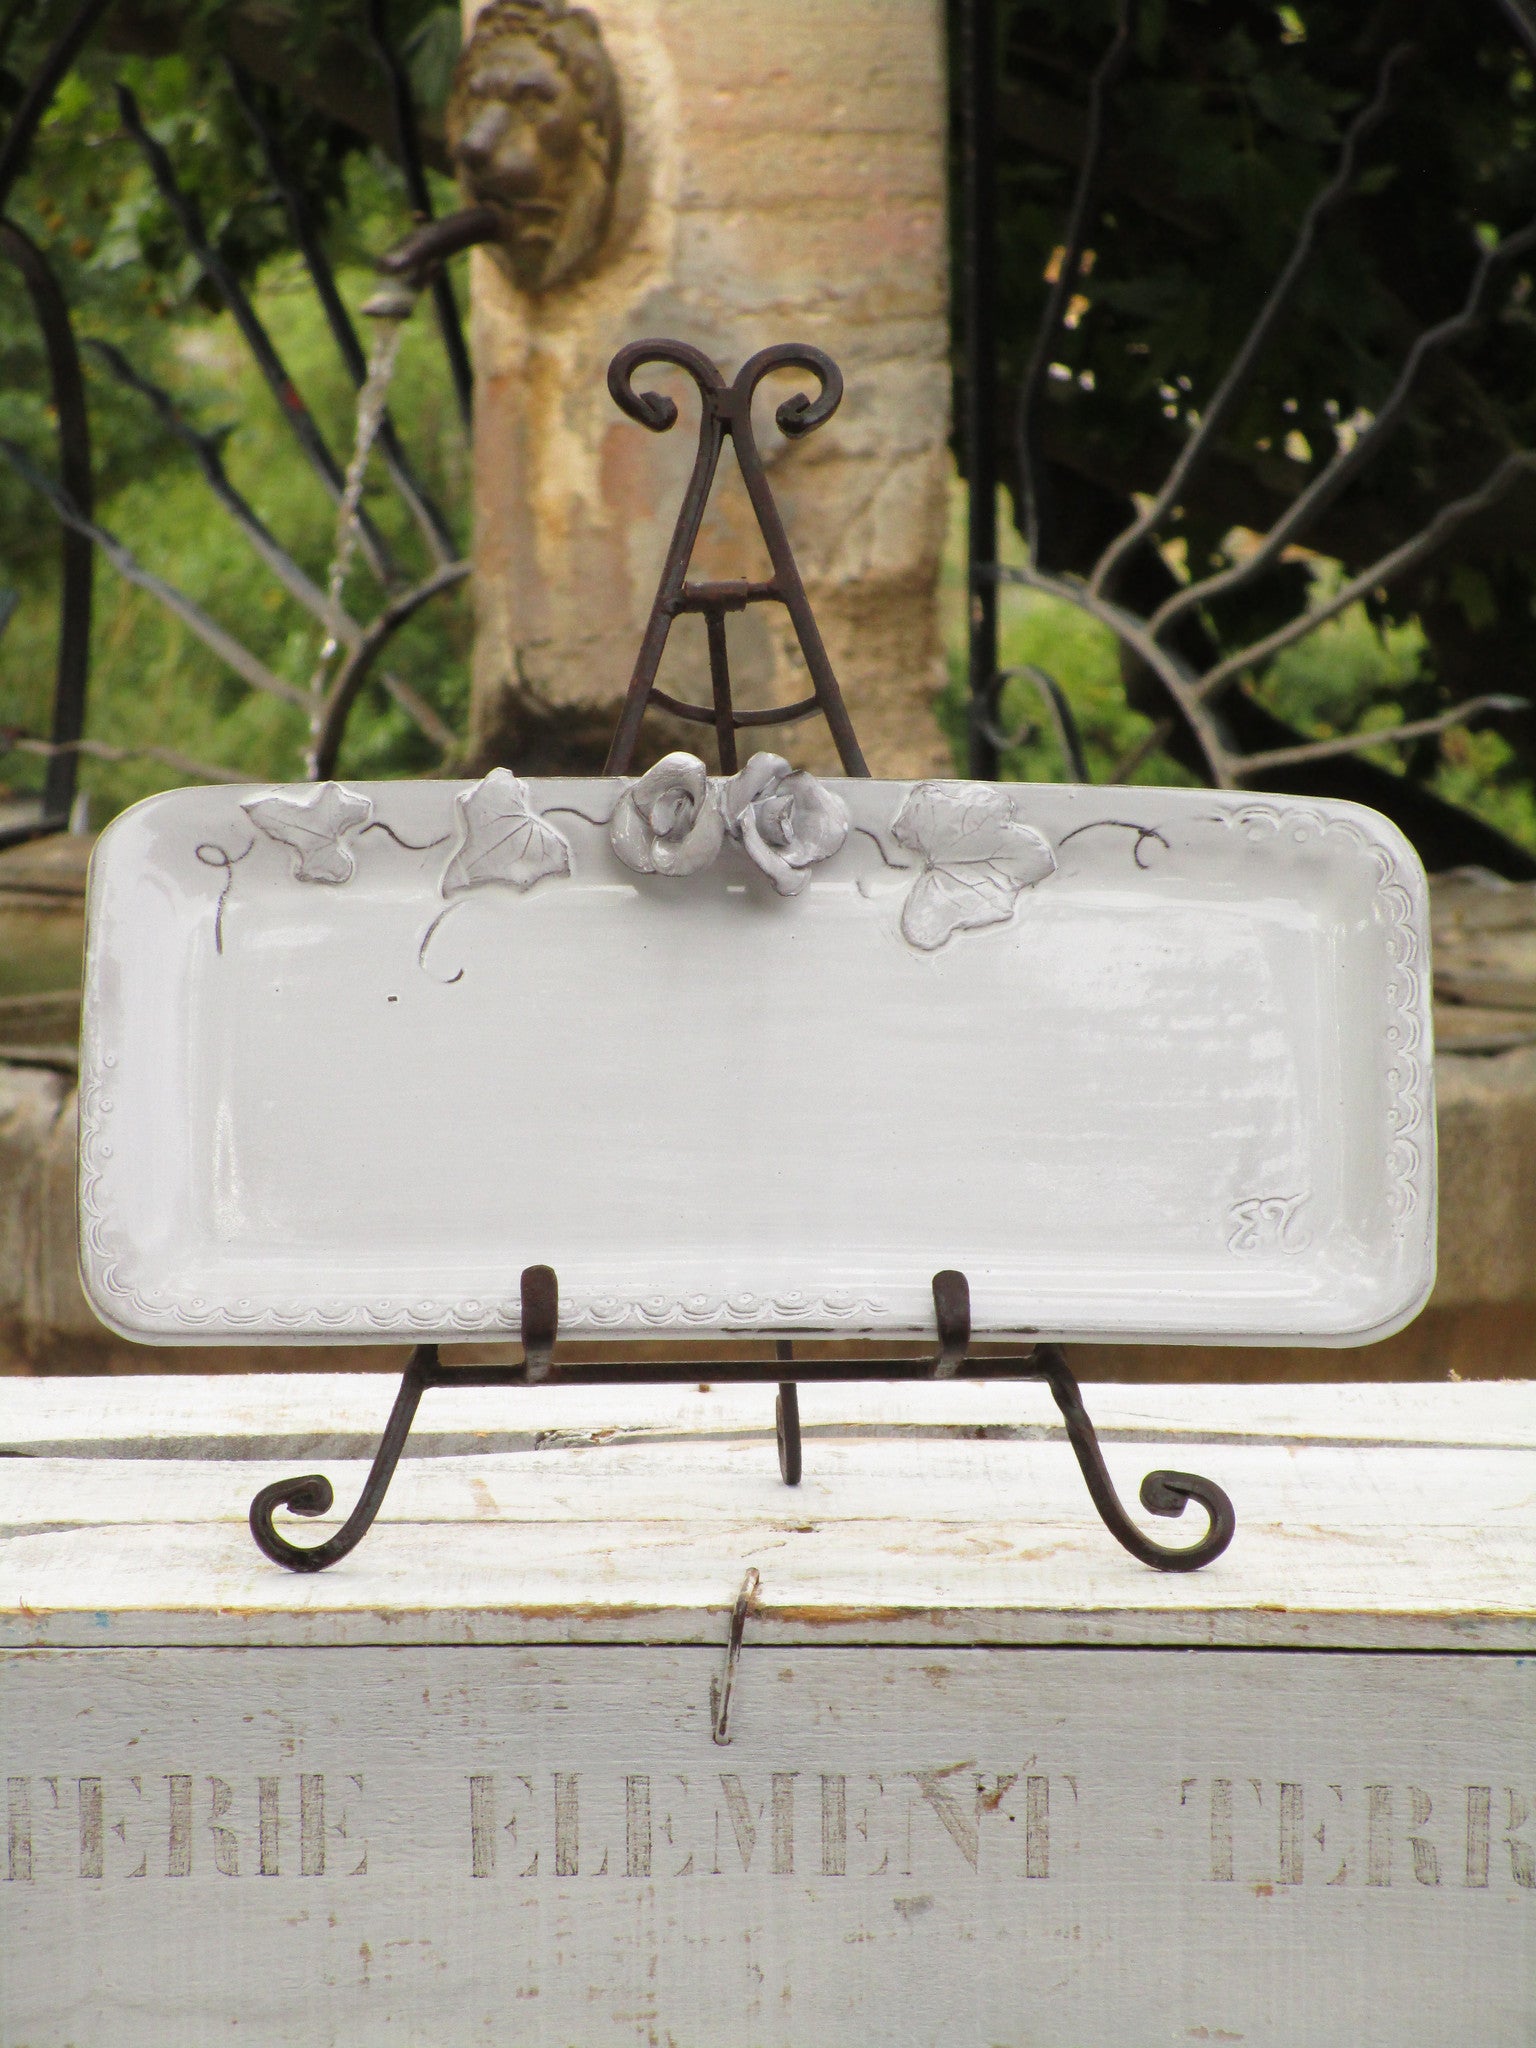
727, 413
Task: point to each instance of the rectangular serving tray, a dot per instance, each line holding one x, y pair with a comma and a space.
1147, 1064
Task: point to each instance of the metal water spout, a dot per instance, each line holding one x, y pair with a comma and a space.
413, 263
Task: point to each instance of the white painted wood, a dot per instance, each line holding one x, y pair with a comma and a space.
936, 1848
989, 1780
1146, 1064
919, 1530
341, 1414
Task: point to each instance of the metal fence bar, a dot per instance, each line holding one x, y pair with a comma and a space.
67, 389
978, 297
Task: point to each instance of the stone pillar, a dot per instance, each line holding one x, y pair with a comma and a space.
782, 179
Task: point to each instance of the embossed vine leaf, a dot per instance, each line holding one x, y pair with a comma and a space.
977, 857
503, 839
314, 827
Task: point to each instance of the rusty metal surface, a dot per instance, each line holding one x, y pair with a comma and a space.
1162, 1492
726, 412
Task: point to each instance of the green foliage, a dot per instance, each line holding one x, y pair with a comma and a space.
1080, 655
1224, 127
1353, 674
1226, 124
89, 201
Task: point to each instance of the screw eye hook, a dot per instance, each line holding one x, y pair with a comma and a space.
722, 1686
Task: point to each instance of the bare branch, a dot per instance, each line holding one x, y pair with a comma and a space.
417, 709
206, 448
1065, 282
298, 415
1346, 463
1383, 570
127, 565
72, 660
353, 673
433, 526
1357, 742
1183, 686
1519, 18
203, 771
1222, 399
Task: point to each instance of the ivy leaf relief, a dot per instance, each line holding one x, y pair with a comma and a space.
977, 857
313, 828
503, 839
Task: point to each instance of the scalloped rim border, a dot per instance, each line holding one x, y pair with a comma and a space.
1409, 1035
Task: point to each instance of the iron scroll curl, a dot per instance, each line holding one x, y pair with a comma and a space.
725, 413
1162, 1492
796, 416
312, 1493
651, 408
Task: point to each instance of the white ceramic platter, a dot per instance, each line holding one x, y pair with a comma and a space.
1144, 1063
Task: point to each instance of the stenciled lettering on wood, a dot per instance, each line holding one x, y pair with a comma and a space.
783, 1823
1268, 1834
181, 1825
658, 1825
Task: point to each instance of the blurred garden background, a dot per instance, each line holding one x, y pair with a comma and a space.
1230, 119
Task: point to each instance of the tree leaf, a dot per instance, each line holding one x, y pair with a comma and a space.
503, 839
313, 827
950, 823
943, 901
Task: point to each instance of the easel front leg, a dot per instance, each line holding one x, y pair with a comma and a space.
1162, 1493
313, 1494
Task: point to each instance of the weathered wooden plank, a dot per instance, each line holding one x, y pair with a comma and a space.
341, 1414
904, 1541
1051, 1848
864, 1483
469, 1820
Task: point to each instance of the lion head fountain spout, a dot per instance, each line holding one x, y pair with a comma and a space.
534, 133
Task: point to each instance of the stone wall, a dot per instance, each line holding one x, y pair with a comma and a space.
783, 179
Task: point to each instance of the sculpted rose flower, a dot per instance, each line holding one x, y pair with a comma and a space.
785, 820
669, 822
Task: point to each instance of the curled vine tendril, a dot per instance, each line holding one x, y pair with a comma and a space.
213, 856
1143, 834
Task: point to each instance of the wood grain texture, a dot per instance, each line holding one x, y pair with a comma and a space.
545, 1847
1368, 1519
989, 1782
341, 1414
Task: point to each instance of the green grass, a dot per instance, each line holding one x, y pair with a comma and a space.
152, 680
1047, 633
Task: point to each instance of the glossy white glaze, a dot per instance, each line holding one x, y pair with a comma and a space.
1145, 1063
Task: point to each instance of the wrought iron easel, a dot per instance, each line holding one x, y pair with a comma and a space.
727, 412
